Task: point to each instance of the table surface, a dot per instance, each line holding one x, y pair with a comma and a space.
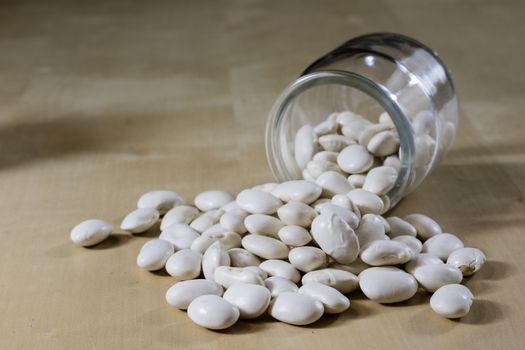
101, 101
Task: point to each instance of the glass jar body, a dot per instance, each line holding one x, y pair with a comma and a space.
372, 75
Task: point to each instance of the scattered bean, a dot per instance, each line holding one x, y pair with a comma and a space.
184, 264
161, 200
297, 309
387, 284
213, 312
154, 254
90, 232
425, 226
452, 301
467, 260
182, 214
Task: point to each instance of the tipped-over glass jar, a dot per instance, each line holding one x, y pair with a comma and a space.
372, 75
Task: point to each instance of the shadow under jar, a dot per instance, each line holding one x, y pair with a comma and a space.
371, 75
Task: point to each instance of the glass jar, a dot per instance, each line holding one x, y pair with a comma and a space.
371, 75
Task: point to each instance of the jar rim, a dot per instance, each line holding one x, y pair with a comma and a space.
387, 100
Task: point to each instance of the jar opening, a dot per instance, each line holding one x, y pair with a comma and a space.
297, 106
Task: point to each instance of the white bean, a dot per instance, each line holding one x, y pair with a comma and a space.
140, 220
297, 190
355, 159
233, 220
260, 224
380, 180
442, 245
305, 145
335, 142
334, 302
162, 200
329, 125
184, 264
213, 312
265, 247
252, 300
182, 214
467, 260
181, 294
333, 183
297, 309
296, 213
383, 143
384, 118
335, 237
215, 256
452, 301
213, 199
307, 259
425, 226
356, 180
346, 117
383, 252
206, 220
342, 280
433, 277
154, 254
371, 131
367, 202
258, 202
281, 268
294, 236
387, 284
90, 232
393, 161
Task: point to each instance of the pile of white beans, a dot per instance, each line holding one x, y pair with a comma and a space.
295, 250
348, 154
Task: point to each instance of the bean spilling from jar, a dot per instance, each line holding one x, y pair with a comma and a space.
297, 249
